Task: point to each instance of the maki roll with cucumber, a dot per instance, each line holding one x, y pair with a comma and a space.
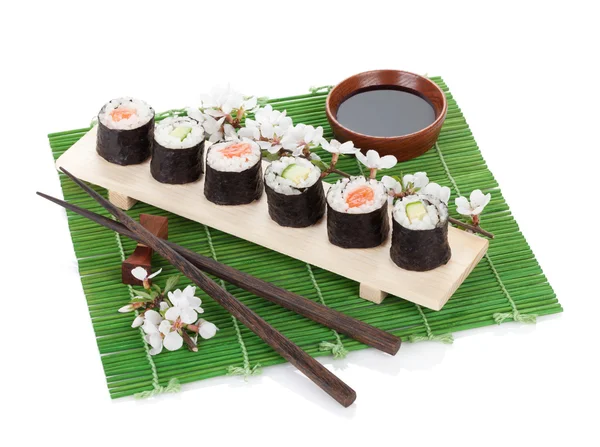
294, 192
125, 131
420, 233
233, 173
177, 150
357, 213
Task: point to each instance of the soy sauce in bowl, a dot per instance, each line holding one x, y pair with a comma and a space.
385, 112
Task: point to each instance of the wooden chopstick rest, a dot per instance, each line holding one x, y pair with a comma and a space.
142, 255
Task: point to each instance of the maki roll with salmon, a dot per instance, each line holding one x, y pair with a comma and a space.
125, 131
357, 213
233, 173
420, 233
294, 192
177, 150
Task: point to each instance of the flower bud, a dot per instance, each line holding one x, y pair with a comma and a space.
207, 330
127, 308
138, 321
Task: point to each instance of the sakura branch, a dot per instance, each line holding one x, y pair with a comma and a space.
418, 183
169, 318
301, 139
277, 136
222, 112
267, 129
473, 206
335, 148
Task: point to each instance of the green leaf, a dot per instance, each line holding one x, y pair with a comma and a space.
269, 156
141, 300
157, 288
145, 295
320, 164
171, 283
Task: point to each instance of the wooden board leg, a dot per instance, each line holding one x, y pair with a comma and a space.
370, 293
120, 200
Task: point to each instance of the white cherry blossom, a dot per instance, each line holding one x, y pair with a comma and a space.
153, 337
302, 137
415, 181
335, 147
173, 325
141, 273
186, 298
267, 129
373, 161
435, 190
196, 114
393, 186
475, 205
222, 100
206, 329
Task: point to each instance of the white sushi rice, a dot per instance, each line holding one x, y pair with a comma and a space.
162, 132
143, 113
216, 160
437, 212
288, 187
337, 194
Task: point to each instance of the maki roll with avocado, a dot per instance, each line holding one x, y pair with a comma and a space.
177, 150
233, 173
125, 131
294, 192
357, 213
420, 233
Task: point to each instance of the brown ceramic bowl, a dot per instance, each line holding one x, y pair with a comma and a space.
404, 147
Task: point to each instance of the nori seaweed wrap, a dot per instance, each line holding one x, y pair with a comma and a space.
125, 131
177, 151
420, 234
233, 173
295, 192
357, 213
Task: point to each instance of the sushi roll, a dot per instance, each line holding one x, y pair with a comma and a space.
177, 150
125, 131
357, 213
233, 173
420, 233
294, 192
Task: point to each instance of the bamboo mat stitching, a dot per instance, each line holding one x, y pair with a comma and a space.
337, 349
444, 338
173, 385
499, 317
125, 362
246, 371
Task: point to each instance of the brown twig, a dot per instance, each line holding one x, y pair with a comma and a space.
473, 228
188, 341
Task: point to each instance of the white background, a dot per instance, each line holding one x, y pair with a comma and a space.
524, 74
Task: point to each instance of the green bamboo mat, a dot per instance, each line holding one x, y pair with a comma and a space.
508, 284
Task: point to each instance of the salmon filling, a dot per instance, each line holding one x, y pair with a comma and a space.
360, 196
121, 114
236, 150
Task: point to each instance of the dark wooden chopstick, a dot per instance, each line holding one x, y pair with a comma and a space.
324, 378
356, 329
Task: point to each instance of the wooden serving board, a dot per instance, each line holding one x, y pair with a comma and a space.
372, 267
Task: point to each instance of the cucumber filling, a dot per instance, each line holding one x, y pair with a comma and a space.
295, 173
180, 132
415, 211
